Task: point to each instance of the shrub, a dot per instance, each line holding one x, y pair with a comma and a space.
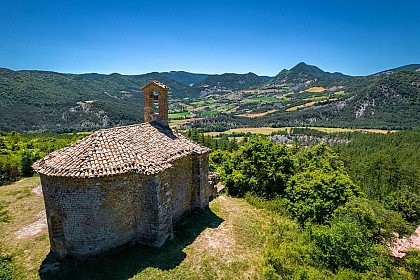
380, 223
412, 262
313, 196
344, 244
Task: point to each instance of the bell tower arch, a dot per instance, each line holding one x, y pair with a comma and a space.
156, 92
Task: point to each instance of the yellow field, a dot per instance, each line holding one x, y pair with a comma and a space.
309, 104
257, 130
177, 123
284, 96
316, 98
269, 130
260, 114
315, 89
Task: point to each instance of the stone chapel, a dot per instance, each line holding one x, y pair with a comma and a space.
123, 185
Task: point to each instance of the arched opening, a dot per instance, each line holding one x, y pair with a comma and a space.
155, 94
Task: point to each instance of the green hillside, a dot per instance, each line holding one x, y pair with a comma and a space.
37, 101
383, 101
40, 101
231, 81
302, 73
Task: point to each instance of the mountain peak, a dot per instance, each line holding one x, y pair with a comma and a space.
301, 64
304, 68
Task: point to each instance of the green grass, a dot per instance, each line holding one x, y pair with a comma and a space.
214, 112
179, 115
264, 99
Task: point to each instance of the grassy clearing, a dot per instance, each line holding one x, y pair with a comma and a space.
23, 207
263, 99
258, 130
179, 115
337, 129
178, 123
316, 98
224, 242
214, 112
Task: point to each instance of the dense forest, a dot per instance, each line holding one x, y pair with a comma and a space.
338, 208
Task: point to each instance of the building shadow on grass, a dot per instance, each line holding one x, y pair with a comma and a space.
125, 264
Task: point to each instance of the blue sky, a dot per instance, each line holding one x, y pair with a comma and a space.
264, 37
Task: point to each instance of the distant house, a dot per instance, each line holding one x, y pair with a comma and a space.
123, 185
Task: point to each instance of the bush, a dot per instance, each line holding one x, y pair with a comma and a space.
380, 223
412, 262
314, 196
320, 157
344, 244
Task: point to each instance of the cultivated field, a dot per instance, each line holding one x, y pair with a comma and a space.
269, 130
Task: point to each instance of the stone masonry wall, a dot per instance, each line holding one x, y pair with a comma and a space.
201, 192
99, 214
181, 187
94, 215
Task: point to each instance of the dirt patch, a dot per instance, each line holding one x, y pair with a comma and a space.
402, 245
37, 190
34, 228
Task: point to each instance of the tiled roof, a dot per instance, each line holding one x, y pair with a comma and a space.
146, 148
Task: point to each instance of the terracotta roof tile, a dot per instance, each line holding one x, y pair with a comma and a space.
146, 148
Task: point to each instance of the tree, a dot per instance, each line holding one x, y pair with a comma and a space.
26, 164
313, 196
320, 187
260, 167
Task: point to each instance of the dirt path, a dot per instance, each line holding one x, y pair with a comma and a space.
34, 228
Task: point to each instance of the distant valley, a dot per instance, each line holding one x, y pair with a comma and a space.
40, 101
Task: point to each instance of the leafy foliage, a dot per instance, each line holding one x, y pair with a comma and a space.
412, 262
407, 203
320, 187
344, 244
6, 269
381, 224
260, 167
313, 196
19, 152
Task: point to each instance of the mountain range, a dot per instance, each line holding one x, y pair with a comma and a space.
38, 101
